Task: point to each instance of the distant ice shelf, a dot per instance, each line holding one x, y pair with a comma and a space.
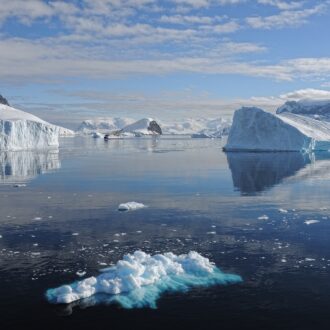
254, 129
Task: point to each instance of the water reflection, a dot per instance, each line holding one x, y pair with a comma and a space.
22, 166
256, 172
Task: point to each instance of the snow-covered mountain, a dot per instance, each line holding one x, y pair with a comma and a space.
145, 126
20, 130
315, 108
254, 129
198, 127
104, 125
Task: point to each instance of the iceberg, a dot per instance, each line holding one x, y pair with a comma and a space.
139, 279
20, 130
254, 129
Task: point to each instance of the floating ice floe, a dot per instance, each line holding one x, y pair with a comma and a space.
283, 211
139, 279
130, 206
311, 222
263, 217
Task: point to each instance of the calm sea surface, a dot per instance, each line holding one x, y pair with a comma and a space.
250, 213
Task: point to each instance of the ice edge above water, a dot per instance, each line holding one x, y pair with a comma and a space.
139, 279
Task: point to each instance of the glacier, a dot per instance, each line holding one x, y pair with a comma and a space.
254, 129
139, 279
20, 130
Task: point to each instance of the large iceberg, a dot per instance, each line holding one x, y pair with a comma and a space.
20, 130
254, 129
139, 279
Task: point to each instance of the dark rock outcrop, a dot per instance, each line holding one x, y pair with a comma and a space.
3, 100
154, 127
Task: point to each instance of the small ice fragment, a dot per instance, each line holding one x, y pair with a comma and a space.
75, 234
130, 206
37, 218
81, 273
309, 259
35, 244
19, 185
310, 222
263, 217
0, 236
211, 233
138, 231
283, 211
283, 260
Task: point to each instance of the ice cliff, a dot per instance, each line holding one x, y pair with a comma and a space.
254, 129
20, 130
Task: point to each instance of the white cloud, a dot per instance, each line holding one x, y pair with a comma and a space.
285, 18
283, 5
307, 93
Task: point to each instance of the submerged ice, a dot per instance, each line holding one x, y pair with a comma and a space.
139, 279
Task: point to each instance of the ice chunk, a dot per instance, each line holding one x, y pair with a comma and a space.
254, 129
311, 222
263, 217
130, 206
139, 279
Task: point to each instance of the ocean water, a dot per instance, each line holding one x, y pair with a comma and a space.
249, 213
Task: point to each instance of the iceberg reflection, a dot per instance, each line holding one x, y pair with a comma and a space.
255, 172
23, 166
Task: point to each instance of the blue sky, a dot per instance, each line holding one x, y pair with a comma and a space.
71, 60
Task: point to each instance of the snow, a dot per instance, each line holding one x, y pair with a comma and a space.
20, 130
306, 107
139, 279
141, 127
97, 135
199, 127
254, 129
104, 125
130, 206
